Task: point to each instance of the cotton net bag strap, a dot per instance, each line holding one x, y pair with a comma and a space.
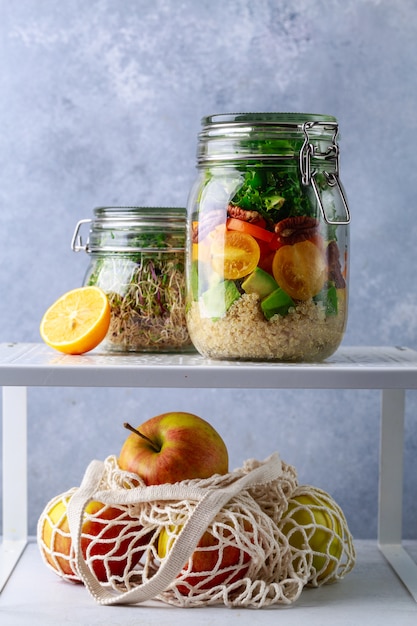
209, 503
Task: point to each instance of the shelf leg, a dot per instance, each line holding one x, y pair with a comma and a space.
15, 497
391, 488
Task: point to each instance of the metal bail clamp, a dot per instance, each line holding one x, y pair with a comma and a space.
308, 176
76, 242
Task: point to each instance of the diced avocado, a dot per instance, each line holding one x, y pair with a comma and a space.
328, 297
259, 282
202, 277
194, 279
219, 298
277, 302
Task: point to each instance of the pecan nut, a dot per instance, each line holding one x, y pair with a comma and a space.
243, 214
292, 230
335, 269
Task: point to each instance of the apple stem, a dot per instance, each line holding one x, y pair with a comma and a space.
137, 432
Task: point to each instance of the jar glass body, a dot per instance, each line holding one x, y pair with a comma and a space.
137, 257
268, 240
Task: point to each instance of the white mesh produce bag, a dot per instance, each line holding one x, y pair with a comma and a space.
214, 541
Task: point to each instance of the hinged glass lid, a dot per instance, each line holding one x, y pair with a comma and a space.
273, 135
303, 140
132, 229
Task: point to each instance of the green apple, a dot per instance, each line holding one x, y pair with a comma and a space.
172, 447
320, 519
108, 538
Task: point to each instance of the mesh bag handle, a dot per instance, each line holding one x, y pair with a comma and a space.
210, 502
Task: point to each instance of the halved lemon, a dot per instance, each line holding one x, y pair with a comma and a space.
77, 322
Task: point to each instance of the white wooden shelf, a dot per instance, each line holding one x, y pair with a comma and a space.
389, 369
370, 595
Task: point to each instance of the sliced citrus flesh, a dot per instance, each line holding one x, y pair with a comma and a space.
300, 270
234, 255
77, 322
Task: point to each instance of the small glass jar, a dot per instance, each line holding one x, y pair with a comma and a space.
137, 257
268, 239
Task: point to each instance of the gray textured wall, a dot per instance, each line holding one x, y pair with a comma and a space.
101, 103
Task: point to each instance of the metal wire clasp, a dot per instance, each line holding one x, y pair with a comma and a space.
76, 242
308, 175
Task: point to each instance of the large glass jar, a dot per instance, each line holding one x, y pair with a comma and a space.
268, 249
137, 256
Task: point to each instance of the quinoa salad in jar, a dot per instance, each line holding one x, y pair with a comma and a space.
267, 239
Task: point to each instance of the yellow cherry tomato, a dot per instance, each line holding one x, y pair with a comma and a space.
234, 255
300, 270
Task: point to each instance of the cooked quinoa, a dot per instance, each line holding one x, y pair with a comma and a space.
304, 334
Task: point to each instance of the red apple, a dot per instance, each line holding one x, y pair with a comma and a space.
214, 562
110, 539
172, 447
